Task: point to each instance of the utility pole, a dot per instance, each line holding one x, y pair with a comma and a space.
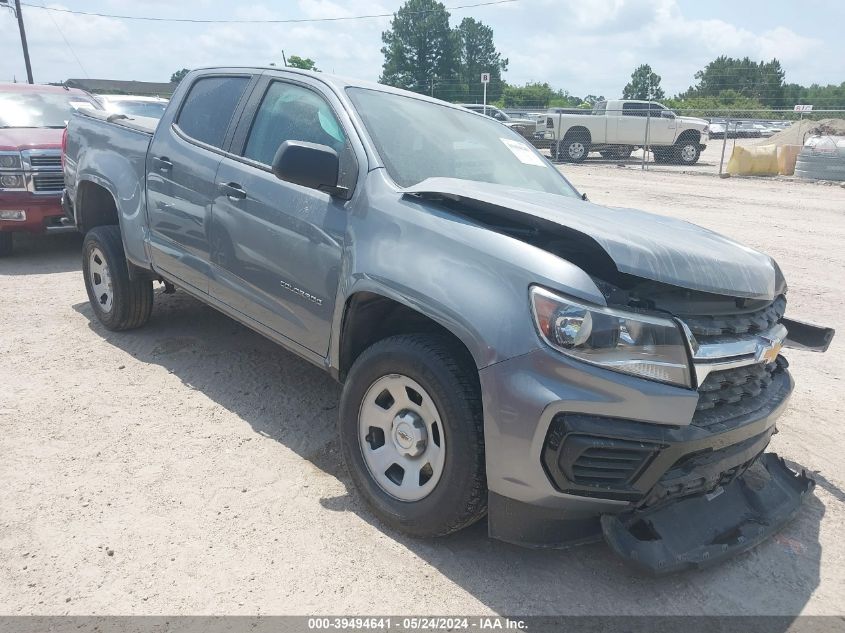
17, 11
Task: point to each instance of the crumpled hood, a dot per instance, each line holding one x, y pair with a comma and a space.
642, 244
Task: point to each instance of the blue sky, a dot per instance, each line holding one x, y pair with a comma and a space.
583, 46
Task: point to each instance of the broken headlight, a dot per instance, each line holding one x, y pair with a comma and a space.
643, 345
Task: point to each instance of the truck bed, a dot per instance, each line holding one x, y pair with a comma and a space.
109, 151
144, 124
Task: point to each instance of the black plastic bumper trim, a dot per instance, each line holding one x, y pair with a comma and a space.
699, 531
532, 526
674, 443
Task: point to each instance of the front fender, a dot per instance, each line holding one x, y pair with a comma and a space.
471, 280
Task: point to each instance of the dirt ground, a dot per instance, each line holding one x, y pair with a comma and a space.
192, 466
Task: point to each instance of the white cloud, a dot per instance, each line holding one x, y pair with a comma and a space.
584, 46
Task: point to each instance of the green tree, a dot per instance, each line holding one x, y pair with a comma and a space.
591, 100
475, 54
419, 49
730, 100
644, 84
305, 63
830, 97
178, 76
536, 95
763, 81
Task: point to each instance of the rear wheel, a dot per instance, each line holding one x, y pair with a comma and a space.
411, 434
6, 243
119, 302
574, 148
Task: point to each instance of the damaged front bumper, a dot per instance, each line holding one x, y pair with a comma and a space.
703, 530
610, 458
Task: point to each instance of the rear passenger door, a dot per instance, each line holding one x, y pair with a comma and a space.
276, 246
631, 130
181, 167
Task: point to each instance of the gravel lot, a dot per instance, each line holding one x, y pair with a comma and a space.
192, 466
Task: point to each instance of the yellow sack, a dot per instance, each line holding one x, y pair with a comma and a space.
787, 155
754, 161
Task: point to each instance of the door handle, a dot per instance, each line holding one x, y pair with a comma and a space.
232, 190
163, 163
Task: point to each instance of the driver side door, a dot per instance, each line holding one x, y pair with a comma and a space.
276, 246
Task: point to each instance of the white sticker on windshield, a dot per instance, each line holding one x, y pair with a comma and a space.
80, 104
522, 152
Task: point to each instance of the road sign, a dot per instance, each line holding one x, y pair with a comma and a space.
485, 78
803, 108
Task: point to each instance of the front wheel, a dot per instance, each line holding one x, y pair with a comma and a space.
411, 434
687, 152
119, 302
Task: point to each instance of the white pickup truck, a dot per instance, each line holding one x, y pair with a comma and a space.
617, 127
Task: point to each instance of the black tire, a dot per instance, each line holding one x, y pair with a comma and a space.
6, 243
131, 300
686, 152
574, 148
460, 496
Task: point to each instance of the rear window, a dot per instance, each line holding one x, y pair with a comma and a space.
209, 106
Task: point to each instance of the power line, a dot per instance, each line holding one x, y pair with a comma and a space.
256, 21
69, 47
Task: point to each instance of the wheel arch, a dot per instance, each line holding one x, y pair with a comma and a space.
689, 135
95, 205
394, 315
577, 130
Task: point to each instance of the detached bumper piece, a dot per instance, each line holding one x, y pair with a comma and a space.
703, 530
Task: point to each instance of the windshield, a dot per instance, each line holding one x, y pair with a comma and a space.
41, 109
418, 139
153, 109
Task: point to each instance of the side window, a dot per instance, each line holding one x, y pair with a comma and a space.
209, 107
293, 113
600, 108
634, 109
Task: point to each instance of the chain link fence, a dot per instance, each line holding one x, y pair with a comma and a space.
651, 135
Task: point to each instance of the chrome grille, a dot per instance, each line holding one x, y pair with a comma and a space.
48, 182
45, 161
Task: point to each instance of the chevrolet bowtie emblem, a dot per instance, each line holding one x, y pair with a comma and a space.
768, 349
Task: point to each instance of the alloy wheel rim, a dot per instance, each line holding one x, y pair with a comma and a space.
688, 152
401, 438
576, 150
100, 278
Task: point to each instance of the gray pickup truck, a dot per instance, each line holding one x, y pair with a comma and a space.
506, 348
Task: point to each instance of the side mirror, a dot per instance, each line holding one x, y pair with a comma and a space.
310, 165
